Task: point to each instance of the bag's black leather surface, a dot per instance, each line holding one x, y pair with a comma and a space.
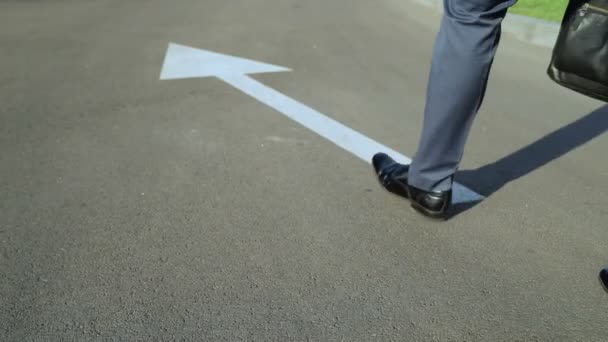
580, 56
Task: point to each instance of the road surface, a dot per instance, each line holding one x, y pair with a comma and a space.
140, 209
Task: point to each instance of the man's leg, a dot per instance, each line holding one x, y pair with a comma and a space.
462, 58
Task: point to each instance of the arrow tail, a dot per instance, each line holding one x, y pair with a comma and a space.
332, 130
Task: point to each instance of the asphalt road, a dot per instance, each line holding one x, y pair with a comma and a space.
134, 209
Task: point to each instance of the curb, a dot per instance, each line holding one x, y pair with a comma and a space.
530, 30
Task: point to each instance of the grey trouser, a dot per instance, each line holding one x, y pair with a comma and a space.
462, 58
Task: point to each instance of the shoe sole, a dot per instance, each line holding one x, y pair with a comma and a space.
437, 216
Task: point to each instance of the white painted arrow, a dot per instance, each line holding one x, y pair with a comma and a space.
188, 62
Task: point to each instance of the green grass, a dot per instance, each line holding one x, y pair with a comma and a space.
552, 10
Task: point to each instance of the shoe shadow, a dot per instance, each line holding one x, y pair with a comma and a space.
490, 178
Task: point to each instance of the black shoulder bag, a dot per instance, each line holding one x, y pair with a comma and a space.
580, 55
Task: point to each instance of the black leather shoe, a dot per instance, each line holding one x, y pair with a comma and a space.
604, 278
393, 177
434, 204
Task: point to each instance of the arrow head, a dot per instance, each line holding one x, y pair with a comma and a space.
187, 62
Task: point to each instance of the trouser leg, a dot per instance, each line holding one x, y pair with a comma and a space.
462, 58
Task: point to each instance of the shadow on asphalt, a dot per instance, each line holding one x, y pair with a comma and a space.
490, 178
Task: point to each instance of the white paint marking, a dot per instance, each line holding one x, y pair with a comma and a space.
187, 62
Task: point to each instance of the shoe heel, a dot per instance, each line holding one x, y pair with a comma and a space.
430, 214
